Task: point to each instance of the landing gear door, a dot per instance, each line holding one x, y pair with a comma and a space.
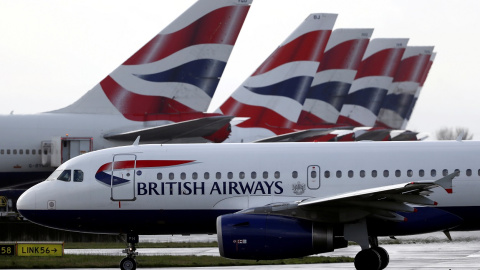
313, 176
122, 182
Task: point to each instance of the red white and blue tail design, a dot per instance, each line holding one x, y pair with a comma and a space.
175, 72
273, 96
419, 89
372, 82
335, 75
405, 84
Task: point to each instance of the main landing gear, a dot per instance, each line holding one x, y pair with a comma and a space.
129, 262
372, 257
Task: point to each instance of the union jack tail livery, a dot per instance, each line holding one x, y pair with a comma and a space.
335, 75
405, 84
419, 89
372, 82
273, 96
176, 72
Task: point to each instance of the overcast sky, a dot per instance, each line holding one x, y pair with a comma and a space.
52, 52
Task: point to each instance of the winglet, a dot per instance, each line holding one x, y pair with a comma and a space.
446, 182
137, 141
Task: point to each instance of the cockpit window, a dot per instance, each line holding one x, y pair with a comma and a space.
77, 176
65, 176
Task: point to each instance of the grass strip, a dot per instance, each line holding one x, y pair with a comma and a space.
101, 245
97, 261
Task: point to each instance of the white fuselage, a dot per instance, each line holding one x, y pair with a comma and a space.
241, 176
22, 137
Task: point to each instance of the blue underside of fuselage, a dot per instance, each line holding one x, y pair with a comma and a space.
427, 219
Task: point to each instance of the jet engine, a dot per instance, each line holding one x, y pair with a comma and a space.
270, 237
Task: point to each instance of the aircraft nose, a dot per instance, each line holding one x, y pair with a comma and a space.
27, 203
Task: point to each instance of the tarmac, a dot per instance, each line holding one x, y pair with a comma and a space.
454, 255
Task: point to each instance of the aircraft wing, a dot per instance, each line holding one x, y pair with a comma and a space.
192, 128
381, 202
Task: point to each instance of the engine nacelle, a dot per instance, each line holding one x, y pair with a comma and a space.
270, 237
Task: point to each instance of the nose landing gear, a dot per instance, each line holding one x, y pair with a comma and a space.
129, 262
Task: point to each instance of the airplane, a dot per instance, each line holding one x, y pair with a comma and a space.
161, 93
266, 201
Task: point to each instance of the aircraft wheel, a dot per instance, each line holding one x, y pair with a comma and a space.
384, 257
128, 264
368, 259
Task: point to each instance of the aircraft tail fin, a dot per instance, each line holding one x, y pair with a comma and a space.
177, 71
407, 80
374, 76
334, 76
419, 89
272, 97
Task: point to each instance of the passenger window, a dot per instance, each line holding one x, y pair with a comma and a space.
183, 176
229, 175
171, 176
206, 175
445, 172
77, 176
276, 174
362, 173
295, 174
194, 176
469, 172
409, 173
350, 173
433, 173
8, 153
33, 152
265, 175
2, 152
385, 173
27, 151
457, 172
398, 173
254, 175
421, 173
374, 173
313, 174
65, 176
241, 175
327, 174
14, 151
159, 176
20, 151
339, 174
218, 175
479, 172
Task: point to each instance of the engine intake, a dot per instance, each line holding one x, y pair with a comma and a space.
270, 237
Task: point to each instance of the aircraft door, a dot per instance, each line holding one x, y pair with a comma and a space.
313, 177
122, 182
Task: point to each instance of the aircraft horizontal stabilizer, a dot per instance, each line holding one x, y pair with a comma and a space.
300, 135
200, 127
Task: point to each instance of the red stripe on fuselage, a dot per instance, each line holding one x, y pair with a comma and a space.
130, 164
